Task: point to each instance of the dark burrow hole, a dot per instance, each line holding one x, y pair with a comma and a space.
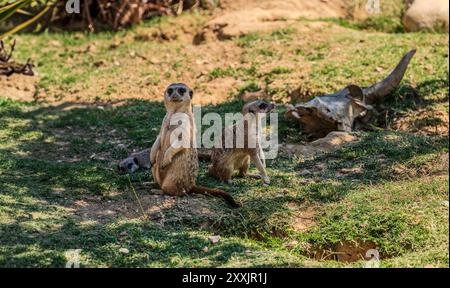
348, 252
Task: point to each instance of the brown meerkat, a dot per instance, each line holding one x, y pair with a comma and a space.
135, 162
226, 161
175, 165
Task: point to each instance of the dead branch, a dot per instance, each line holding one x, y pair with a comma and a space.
8, 67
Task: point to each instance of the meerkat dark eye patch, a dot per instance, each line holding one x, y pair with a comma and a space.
263, 106
170, 91
135, 160
191, 93
181, 90
129, 166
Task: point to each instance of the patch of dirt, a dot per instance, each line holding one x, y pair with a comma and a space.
19, 87
424, 121
333, 141
437, 167
158, 208
328, 144
217, 90
148, 72
304, 218
348, 171
244, 17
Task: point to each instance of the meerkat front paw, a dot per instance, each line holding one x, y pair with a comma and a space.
252, 175
266, 181
166, 161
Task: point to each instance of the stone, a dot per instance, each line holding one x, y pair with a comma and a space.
214, 239
426, 15
124, 250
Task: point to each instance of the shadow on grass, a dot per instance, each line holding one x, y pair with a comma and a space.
383, 155
51, 157
149, 246
406, 97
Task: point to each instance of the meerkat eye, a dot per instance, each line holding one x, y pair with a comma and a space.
170, 91
129, 166
181, 90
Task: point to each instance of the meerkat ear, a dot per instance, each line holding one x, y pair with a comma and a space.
191, 93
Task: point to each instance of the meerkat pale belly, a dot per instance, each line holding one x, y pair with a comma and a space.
179, 176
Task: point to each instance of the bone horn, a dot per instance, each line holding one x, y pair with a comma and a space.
385, 87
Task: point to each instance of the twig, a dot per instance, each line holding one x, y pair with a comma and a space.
196, 5
180, 7
118, 15
87, 13
4, 56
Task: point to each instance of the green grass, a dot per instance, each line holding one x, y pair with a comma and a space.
57, 162
401, 214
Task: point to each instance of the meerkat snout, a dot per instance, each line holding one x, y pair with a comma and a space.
128, 165
134, 162
258, 106
266, 107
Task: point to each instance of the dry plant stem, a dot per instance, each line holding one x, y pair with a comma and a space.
137, 198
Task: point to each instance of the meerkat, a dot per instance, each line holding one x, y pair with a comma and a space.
135, 162
226, 161
175, 167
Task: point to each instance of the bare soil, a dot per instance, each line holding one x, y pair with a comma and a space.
148, 72
19, 87
156, 207
424, 121
243, 17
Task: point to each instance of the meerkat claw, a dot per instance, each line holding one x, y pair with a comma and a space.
256, 176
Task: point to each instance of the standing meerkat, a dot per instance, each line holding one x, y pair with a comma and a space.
174, 161
226, 161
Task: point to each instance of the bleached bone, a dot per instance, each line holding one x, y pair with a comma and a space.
349, 109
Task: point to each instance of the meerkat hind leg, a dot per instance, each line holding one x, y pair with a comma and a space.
262, 170
243, 170
244, 165
171, 186
227, 172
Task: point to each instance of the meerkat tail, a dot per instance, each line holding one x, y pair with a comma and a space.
216, 193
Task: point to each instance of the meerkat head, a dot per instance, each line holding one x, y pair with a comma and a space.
128, 165
176, 95
257, 106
